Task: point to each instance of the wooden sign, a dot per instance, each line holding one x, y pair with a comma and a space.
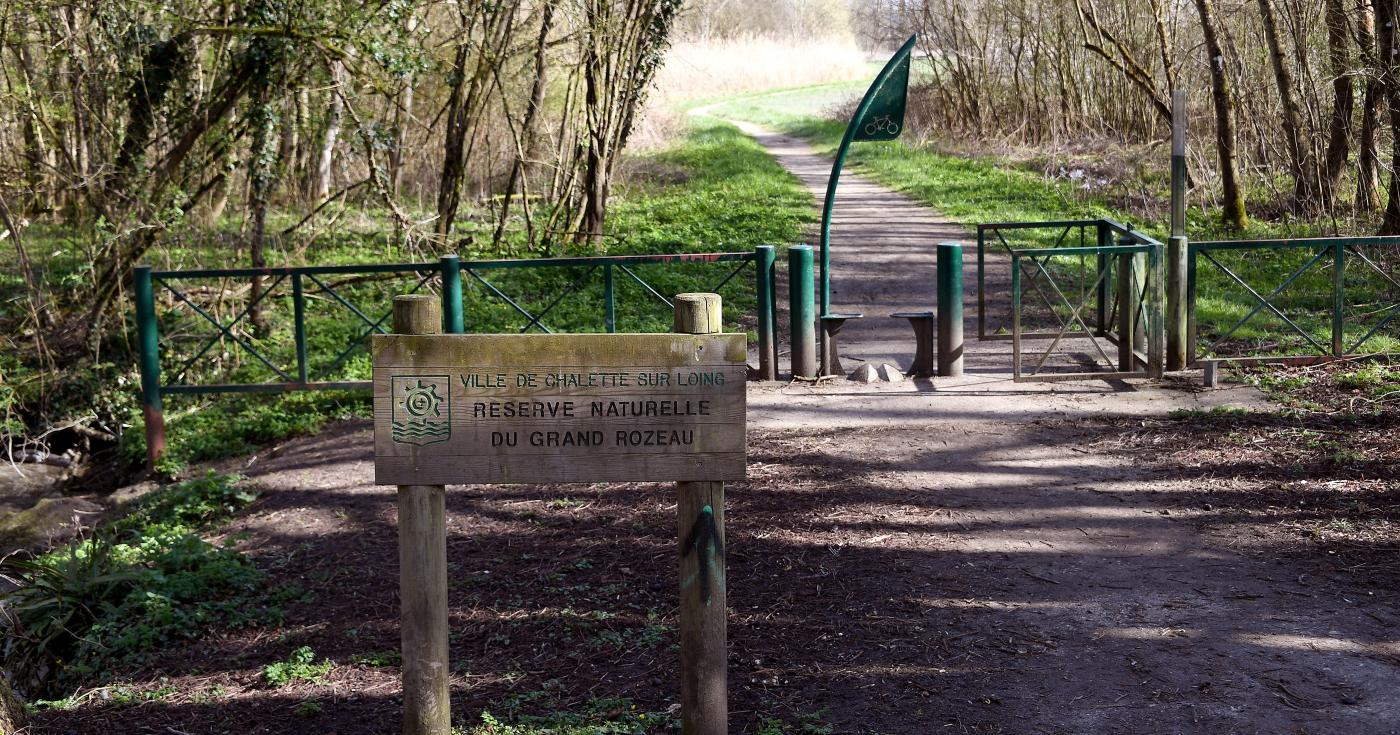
490, 408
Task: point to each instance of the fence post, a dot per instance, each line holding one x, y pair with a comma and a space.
1190, 347
1178, 305
981, 284
609, 300
1156, 346
700, 532
148, 343
1178, 173
800, 311
1339, 301
1127, 311
423, 572
1140, 299
1101, 293
452, 321
765, 259
299, 325
1015, 317
950, 309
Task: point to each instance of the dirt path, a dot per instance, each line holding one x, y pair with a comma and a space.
883, 254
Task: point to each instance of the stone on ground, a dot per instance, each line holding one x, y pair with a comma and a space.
864, 374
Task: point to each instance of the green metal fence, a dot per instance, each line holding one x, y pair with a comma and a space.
452, 278
1325, 299
1057, 234
1131, 322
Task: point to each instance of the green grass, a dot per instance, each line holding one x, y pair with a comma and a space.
970, 190
1374, 380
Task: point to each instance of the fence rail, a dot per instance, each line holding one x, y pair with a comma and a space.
450, 272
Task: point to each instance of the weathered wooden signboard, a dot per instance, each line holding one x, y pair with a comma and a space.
488, 408
493, 408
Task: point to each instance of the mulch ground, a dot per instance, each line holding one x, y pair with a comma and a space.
851, 609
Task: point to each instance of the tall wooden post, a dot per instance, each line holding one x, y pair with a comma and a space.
423, 571
700, 513
1177, 306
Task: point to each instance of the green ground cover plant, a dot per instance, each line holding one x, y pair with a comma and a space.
108, 602
300, 666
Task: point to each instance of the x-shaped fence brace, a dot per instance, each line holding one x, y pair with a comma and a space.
227, 329
1075, 311
376, 325
1394, 308
1031, 279
536, 321
1267, 302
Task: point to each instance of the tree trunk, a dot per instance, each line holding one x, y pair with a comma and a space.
403, 110
1390, 86
261, 175
1368, 167
1343, 100
466, 100
527, 132
320, 184
1299, 153
1232, 200
600, 123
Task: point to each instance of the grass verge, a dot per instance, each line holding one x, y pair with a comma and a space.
981, 190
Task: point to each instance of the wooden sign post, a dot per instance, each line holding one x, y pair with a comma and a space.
423, 571
700, 512
535, 408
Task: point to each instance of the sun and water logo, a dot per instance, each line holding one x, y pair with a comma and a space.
422, 410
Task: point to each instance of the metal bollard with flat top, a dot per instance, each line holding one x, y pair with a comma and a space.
831, 326
923, 324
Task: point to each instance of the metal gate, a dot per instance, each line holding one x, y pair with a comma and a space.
1080, 298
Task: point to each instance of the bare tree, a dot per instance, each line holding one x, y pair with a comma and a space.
1299, 152
1232, 199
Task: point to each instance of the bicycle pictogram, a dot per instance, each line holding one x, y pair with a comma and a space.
882, 123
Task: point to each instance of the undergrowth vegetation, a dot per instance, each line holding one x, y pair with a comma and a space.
111, 601
714, 190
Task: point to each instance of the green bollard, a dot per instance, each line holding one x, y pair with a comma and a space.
452, 321
802, 312
148, 344
950, 309
765, 258
299, 327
